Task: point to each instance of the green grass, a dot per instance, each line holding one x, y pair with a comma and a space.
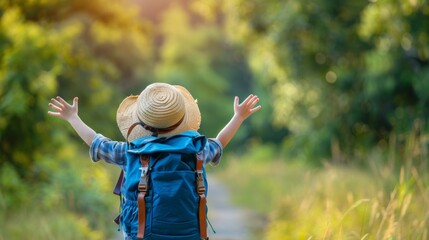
331, 202
76, 201
29, 223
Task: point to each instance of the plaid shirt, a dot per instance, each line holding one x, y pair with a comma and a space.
114, 152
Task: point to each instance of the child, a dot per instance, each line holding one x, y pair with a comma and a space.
162, 118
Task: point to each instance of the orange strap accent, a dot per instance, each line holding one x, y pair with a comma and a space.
202, 211
142, 189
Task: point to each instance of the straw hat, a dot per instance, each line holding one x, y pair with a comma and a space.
161, 109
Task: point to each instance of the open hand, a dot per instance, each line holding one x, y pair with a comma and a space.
62, 109
247, 107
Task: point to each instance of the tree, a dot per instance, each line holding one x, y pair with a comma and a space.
193, 53
89, 49
340, 73
31, 61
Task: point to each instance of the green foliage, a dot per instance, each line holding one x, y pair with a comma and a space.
45, 54
184, 60
83, 194
13, 189
70, 48
354, 71
335, 80
194, 52
25, 86
75, 201
49, 224
196, 56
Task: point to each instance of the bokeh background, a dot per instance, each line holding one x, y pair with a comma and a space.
339, 149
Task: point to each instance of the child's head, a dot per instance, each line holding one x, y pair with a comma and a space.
160, 109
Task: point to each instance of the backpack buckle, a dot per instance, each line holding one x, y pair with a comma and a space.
200, 182
144, 171
142, 187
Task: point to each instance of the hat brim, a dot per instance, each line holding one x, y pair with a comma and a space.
126, 116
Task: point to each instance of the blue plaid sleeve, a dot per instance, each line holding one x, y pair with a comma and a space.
103, 148
212, 152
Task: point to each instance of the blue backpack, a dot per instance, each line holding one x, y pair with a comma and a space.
164, 188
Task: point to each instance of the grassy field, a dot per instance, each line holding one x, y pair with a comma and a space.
76, 203
331, 202
385, 196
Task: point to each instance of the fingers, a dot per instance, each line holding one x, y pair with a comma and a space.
251, 101
56, 114
255, 109
55, 107
247, 107
248, 98
56, 103
62, 101
59, 103
75, 102
59, 106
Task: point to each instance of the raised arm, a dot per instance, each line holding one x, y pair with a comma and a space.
241, 112
70, 113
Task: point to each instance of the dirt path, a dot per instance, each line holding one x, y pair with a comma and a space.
229, 221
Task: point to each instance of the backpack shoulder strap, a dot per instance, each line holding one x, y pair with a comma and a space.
117, 189
142, 189
201, 189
